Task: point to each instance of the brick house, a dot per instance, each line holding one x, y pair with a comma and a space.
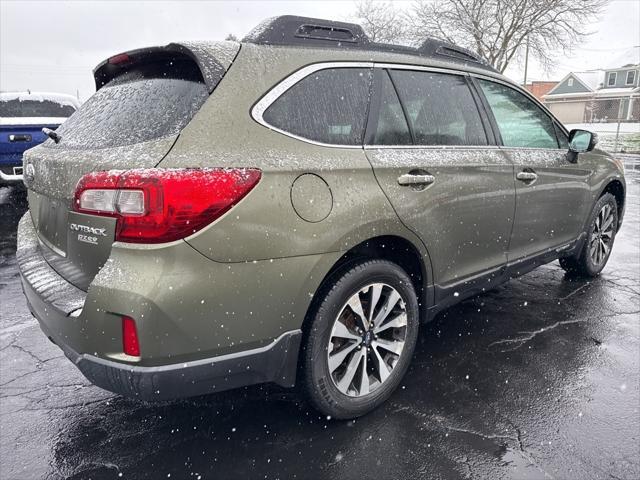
540, 88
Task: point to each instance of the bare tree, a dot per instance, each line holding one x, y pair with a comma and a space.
382, 21
498, 29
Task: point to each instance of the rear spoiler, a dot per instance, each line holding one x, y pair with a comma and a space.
212, 58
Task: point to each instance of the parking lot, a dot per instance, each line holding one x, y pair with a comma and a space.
536, 379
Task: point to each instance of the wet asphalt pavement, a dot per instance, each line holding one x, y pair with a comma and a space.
539, 378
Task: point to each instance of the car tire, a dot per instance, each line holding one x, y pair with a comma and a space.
600, 235
378, 370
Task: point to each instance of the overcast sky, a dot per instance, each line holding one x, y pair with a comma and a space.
53, 46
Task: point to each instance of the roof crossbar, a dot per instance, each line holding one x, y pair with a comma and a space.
293, 30
289, 30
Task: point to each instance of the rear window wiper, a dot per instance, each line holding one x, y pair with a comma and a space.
56, 137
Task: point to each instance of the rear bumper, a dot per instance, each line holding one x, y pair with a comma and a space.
275, 363
64, 316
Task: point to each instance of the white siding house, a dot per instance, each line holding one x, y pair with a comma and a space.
607, 95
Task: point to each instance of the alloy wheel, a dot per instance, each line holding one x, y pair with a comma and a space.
602, 235
367, 339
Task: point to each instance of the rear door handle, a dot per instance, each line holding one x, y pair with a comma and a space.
527, 176
416, 179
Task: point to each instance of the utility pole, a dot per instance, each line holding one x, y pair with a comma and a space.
526, 62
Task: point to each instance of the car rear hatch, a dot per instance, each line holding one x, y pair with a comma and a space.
144, 99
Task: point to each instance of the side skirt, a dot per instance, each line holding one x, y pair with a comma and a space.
451, 294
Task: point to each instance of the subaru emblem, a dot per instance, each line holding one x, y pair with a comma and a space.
29, 173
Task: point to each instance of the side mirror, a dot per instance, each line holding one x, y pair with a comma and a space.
581, 141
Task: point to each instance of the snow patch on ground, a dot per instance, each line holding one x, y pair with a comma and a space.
628, 135
5, 194
606, 128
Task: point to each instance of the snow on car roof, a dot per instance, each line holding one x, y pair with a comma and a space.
60, 98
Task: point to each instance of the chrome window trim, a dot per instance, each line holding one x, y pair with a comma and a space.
514, 86
461, 147
257, 112
432, 147
421, 68
531, 97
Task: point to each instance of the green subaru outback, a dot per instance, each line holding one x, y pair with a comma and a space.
290, 208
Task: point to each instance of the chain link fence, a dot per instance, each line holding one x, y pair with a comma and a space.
612, 110
616, 120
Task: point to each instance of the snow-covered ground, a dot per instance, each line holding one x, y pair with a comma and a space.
606, 128
5, 194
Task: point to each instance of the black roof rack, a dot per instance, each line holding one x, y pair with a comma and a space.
289, 30
433, 46
292, 30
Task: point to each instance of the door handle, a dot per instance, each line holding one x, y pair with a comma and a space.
415, 179
18, 137
527, 176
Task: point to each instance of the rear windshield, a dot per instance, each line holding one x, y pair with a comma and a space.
34, 108
148, 102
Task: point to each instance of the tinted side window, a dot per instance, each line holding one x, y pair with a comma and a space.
521, 122
392, 128
328, 106
440, 108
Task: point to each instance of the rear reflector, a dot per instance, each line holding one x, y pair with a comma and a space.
130, 344
162, 205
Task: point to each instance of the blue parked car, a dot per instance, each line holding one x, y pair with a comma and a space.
23, 115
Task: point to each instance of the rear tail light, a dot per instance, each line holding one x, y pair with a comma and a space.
161, 205
130, 344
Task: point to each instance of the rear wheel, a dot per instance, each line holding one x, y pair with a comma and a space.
361, 339
601, 233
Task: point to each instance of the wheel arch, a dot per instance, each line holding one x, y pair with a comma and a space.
411, 258
616, 188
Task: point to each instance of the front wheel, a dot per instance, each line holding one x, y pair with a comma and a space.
601, 233
361, 339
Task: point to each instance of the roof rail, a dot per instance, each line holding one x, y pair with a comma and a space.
293, 30
433, 46
315, 32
